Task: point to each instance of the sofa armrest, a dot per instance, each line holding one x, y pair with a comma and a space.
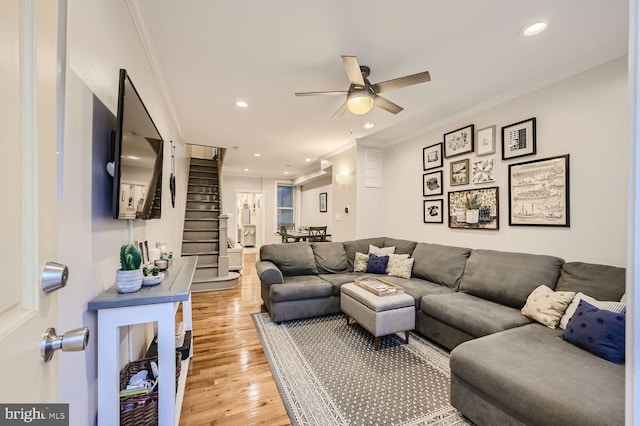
269, 273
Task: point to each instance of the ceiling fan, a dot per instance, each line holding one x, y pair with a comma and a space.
362, 95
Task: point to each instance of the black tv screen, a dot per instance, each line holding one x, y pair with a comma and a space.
137, 185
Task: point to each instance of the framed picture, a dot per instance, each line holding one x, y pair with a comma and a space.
432, 183
459, 172
458, 142
483, 171
432, 156
474, 209
323, 202
539, 192
519, 139
486, 141
433, 211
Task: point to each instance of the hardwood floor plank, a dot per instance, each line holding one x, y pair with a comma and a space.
229, 380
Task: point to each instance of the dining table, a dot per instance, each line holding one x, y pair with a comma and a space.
300, 235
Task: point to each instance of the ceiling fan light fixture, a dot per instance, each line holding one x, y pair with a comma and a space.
359, 101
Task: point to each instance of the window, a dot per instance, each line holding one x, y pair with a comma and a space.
285, 204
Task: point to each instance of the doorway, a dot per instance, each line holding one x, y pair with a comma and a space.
249, 218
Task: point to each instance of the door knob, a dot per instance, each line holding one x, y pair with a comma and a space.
74, 340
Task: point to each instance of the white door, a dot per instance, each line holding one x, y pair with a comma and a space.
28, 34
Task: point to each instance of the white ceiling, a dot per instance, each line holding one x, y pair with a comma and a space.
210, 53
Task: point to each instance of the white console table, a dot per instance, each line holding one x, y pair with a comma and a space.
151, 304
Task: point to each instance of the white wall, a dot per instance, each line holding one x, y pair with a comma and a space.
310, 214
344, 225
585, 116
102, 39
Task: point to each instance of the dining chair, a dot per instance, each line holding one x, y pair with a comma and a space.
317, 233
284, 229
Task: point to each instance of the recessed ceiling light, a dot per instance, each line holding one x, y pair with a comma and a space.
257, 154
246, 170
369, 125
308, 160
286, 172
534, 29
242, 104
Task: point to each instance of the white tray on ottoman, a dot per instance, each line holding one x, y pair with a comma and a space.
379, 315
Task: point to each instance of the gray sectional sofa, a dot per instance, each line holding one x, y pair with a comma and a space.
505, 368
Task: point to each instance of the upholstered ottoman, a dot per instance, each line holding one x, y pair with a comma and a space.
379, 315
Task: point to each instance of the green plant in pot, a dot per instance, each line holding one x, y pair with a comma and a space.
129, 277
472, 204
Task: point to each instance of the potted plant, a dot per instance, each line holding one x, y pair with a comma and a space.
472, 204
129, 278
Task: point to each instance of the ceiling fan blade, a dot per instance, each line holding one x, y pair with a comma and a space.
352, 67
387, 105
328, 93
340, 111
398, 83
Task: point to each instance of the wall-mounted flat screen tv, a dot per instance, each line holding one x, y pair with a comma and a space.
137, 183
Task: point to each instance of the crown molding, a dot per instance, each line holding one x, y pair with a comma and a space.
139, 20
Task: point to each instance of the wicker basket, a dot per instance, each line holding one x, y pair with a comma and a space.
141, 409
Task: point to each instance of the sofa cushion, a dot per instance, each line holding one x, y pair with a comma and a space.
508, 278
395, 257
360, 262
418, 288
601, 282
377, 264
381, 251
300, 287
473, 315
547, 306
291, 259
402, 246
440, 264
337, 280
617, 307
400, 267
531, 372
598, 331
330, 257
362, 246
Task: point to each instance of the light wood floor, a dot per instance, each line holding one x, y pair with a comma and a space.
229, 381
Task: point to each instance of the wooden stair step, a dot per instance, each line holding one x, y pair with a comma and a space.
206, 265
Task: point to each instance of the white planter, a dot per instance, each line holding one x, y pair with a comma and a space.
472, 216
460, 214
129, 281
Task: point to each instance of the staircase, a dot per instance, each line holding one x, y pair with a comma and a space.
205, 230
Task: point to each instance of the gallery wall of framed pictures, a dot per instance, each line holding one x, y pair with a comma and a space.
467, 163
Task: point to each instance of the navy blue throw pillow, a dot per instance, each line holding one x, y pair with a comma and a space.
598, 331
377, 264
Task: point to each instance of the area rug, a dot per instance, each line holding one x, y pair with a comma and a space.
328, 373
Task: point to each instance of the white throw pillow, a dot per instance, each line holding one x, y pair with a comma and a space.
547, 306
616, 307
401, 268
360, 262
381, 251
393, 257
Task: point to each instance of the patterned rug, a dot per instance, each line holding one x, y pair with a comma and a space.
328, 373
